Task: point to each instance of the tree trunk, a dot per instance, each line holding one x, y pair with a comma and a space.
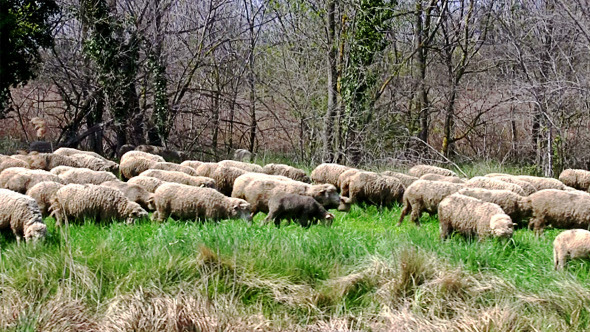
328, 134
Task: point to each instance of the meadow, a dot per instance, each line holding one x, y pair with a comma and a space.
362, 274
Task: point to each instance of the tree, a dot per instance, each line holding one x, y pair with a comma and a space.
25, 26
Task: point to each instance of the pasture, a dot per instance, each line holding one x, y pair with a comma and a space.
362, 274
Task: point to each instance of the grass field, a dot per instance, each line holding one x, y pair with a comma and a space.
364, 273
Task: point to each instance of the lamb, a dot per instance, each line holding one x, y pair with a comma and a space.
191, 163
559, 208
43, 192
512, 203
405, 179
60, 170
243, 155
133, 192
492, 183
24, 180
328, 173
180, 177
570, 244
576, 178
133, 166
8, 161
438, 177
146, 182
74, 202
375, 189
141, 154
166, 166
238, 164
20, 213
304, 209
542, 183
420, 170
225, 177
527, 187
257, 189
206, 169
85, 175
424, 195
96, 164
344, 180
473, 217
286, 170
189, 202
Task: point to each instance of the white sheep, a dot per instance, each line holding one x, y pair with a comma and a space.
570, 244
43, 192
239, 164
424, 195
328, 173
167, 166
20, 213
576, 178
180, 177
492, 183
420, 170
147, 182
86, 175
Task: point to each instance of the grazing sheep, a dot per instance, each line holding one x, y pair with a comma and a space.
74, 202
24, 180
225, 177
492, 183
133, 166
286, 170
328, 173
570, 244
96, 164
559, 208
424, 195
304, 209
257, 189
511, 202
85, 175
47, 161
60, 169
206, 169
188, 202
146, 182
405, 179
167, 154
576, 178
420, 170
20, 213
133, 192
473, 217
238, 164
527, 187
373, 188
141, 154
70, 151
8, 161
191, 163
180, 177
438, 177
43, 192
542, 183
344, 180
243, 155
6, 174
166, 166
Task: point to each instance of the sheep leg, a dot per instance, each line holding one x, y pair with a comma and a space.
445, 230
405, 210
415, 215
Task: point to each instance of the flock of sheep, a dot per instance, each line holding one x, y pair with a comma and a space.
73, 185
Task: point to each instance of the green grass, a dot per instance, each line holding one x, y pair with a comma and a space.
363, 272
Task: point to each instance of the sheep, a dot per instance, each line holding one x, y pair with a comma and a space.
304, 209
420, 170
286, 170
146, 182
344, 180
257, 189
24, 180
96, 164
405, 179
328, 173
438, 177
570, 244
225, 177
180, 177
527, 187
424, 195
167, 154
243, 155
124, 149
375, 189
189, 202
70, 151
206, 169
191, 163
559, 208
141, 154
542, 183
60, 170
576, 178
74, 202
238, 164
166, 166
48, 161
20, 213
43, 192
512, 203
473, 217
8, 161
85, 175
133, 192
492, 183
133, 166
6, 174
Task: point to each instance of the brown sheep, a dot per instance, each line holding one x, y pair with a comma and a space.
304, 209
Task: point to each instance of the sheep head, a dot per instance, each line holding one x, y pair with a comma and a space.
240, 209
501, 225
35, 231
